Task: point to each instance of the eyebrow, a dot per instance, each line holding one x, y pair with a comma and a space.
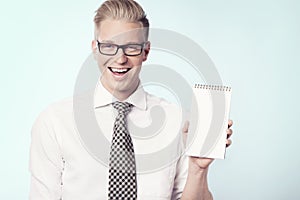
113, 42
107, 41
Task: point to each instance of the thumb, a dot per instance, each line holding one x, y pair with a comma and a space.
185, 130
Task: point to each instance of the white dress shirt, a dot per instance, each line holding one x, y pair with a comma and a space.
63, 166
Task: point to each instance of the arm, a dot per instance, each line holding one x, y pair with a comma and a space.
196, 187
46, 164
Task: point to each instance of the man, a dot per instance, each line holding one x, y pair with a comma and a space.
61, 166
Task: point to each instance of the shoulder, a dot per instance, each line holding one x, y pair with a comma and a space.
170, 108
153, 100
56, 111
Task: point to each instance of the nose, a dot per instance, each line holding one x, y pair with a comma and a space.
121, 57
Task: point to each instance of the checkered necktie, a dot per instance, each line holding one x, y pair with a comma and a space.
122, 172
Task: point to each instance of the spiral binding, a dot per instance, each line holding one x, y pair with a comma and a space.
213, 87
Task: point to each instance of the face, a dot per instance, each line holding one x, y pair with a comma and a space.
120, 73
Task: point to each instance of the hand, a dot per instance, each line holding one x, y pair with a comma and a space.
201, 163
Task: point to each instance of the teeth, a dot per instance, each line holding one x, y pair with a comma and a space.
118, 70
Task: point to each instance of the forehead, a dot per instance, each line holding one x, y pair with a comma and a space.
120, 31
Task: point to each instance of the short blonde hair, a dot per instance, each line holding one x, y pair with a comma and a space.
128, 10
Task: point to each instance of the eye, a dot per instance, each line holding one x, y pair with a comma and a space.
108, 46
133, 47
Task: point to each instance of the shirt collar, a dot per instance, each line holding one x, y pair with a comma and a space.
103, 97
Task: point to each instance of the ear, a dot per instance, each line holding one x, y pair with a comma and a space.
146, 51
94, 48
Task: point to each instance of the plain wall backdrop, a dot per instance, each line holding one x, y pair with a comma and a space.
255, 46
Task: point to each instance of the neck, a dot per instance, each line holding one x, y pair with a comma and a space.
121, 95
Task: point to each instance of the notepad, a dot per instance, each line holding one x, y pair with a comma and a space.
209, 121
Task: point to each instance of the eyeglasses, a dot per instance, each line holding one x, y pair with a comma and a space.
110, 49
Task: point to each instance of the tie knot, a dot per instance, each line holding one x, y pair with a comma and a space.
122, 107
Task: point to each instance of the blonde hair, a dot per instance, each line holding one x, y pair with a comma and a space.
127, 10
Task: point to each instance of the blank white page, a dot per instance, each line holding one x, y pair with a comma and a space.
209, 121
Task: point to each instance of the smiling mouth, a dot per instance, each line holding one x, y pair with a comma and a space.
119, 71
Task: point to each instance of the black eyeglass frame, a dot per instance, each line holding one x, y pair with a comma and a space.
142, 45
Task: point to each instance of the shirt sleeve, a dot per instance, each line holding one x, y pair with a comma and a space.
180, 178
46, 162
181, 172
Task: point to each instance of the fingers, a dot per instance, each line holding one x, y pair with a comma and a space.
229, 133
228, 142
230, 123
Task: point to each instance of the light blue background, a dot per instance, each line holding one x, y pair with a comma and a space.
254, 44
